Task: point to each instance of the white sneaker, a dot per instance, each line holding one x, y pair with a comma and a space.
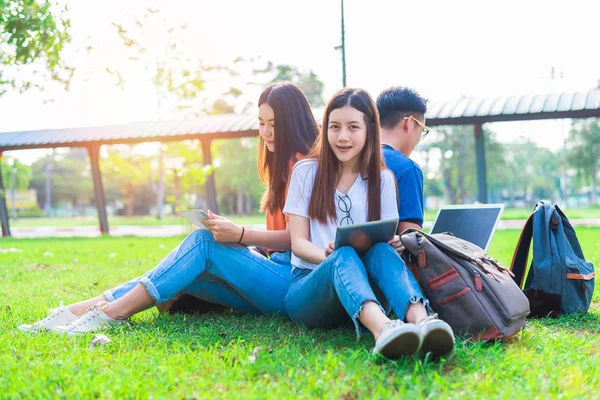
93, 320
398, 339
58, 316
438, 337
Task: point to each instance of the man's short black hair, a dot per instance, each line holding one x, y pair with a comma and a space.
398, 102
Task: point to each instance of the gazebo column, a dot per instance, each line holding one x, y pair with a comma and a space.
211, 189
94, 152
3, 209
481, 167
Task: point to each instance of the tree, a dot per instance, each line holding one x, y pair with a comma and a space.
583, 151
16, 171
63, 179
160, 56
238, 183
126, 173
308, 81
32, 33
455, 146
456, 162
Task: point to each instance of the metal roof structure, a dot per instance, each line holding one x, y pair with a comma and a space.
210, 127
464, 111
468, 111
454, 112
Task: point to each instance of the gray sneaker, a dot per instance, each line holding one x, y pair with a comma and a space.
438, 337
398, 339
93, 320
58, 316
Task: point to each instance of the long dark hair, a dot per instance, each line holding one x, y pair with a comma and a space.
295, 132
322, 204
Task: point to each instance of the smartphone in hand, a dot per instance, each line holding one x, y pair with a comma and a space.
196, 217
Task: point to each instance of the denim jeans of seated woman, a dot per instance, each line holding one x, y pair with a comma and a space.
333, 294
223, 273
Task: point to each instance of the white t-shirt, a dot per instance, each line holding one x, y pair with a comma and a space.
298, 199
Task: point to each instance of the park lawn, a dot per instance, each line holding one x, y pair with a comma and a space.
523, 213
146, 220
256, 219
210, 355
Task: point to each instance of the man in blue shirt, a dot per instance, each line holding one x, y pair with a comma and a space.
402, 117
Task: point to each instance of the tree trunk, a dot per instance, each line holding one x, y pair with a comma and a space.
240, 201
48, 189
230, 206
248, 205
448, 186
160, 191
593, 197
462, 157
130, 198
176, 183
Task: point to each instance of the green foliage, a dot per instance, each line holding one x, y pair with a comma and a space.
237, 175
158, 53
33, 32
211, 355
583, 151
127, 174
70, 178
35, 212
22, 173
308, 81
521, 170
455, 146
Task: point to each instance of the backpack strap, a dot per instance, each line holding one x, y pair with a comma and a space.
519, 261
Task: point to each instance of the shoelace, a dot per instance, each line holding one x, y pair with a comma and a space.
394, 323
55, 312
85, 318
429, 318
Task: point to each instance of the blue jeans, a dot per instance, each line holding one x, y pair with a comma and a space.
223, 273
333, 294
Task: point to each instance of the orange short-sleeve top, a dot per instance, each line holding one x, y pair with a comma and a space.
276, 221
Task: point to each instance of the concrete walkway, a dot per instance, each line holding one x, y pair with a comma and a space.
174, 230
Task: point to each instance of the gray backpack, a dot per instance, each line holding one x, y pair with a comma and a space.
468, 289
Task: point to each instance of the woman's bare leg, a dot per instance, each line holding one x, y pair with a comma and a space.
373, 318
81, 307
133, 302
416, 313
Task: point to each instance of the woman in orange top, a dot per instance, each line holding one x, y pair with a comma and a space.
215, 264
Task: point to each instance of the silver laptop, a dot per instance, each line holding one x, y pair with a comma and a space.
475, 223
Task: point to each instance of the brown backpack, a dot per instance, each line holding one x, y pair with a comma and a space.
468, 289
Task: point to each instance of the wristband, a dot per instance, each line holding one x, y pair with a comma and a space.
241, 236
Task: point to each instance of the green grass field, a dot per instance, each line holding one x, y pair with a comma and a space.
120, 221
509, 213
209, 356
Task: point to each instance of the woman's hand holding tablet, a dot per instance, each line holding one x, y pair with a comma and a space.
361, 237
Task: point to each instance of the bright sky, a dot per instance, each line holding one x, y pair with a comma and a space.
444, 49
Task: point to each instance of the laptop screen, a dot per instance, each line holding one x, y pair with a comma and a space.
475, 223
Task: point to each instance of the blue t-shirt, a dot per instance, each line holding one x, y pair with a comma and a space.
410, 184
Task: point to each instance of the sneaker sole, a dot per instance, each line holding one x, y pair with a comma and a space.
405, 344
27, 328
438, 341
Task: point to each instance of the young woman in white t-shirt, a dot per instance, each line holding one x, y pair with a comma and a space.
345, 181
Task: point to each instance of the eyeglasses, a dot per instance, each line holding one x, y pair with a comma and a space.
426, 130
345, 205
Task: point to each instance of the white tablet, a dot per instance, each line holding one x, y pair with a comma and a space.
195, 217
362, 236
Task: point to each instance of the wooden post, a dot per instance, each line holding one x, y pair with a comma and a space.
94, 152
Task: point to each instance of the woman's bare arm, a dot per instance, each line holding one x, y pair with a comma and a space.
302, 248
226, 231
